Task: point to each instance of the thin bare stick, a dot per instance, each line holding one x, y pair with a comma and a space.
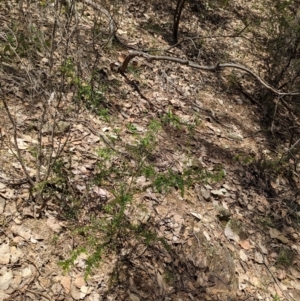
277, 282
194, 65
236, 35
18, 154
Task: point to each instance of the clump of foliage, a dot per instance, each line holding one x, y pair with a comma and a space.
110, 227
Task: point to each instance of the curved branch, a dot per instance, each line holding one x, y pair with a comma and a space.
194, 65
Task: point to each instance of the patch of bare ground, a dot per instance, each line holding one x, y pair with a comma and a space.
164, 182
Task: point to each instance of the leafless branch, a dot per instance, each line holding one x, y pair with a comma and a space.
191, 64
18, 154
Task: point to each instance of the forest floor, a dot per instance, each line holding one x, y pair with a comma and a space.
161, 183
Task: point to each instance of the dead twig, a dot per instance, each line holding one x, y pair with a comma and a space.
38, 293
194, 65
278, 283
18, 154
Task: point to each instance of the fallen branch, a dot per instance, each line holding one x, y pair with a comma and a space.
191, 64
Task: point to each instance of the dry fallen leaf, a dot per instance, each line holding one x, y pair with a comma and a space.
197, 215
76, 293
94, 297
21, 231
263, 249
245, 244
133, 297
66, 283
54, 224
21, 143
274, 233
221, 192
294, 272
295, 284
4, 253
230, 234
2, 204
258, 257
281, 274
79, 281
206, 236
15, 254
243, 255
161, 284
6, 277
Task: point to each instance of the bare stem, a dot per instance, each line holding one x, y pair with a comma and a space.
194, 65
18, 154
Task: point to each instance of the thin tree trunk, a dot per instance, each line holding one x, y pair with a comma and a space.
177, 14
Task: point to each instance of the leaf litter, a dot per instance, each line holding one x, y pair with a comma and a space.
216, 230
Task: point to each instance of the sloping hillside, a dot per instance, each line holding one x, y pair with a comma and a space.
172, 177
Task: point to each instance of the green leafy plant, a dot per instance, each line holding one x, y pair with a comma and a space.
244, 159
146, 143
131, 128
110, 226
266, 222
90, 93
153, 27
170, 119
285, 257
134, 69
276, 298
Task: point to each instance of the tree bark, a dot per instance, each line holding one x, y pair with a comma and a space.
177, 14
